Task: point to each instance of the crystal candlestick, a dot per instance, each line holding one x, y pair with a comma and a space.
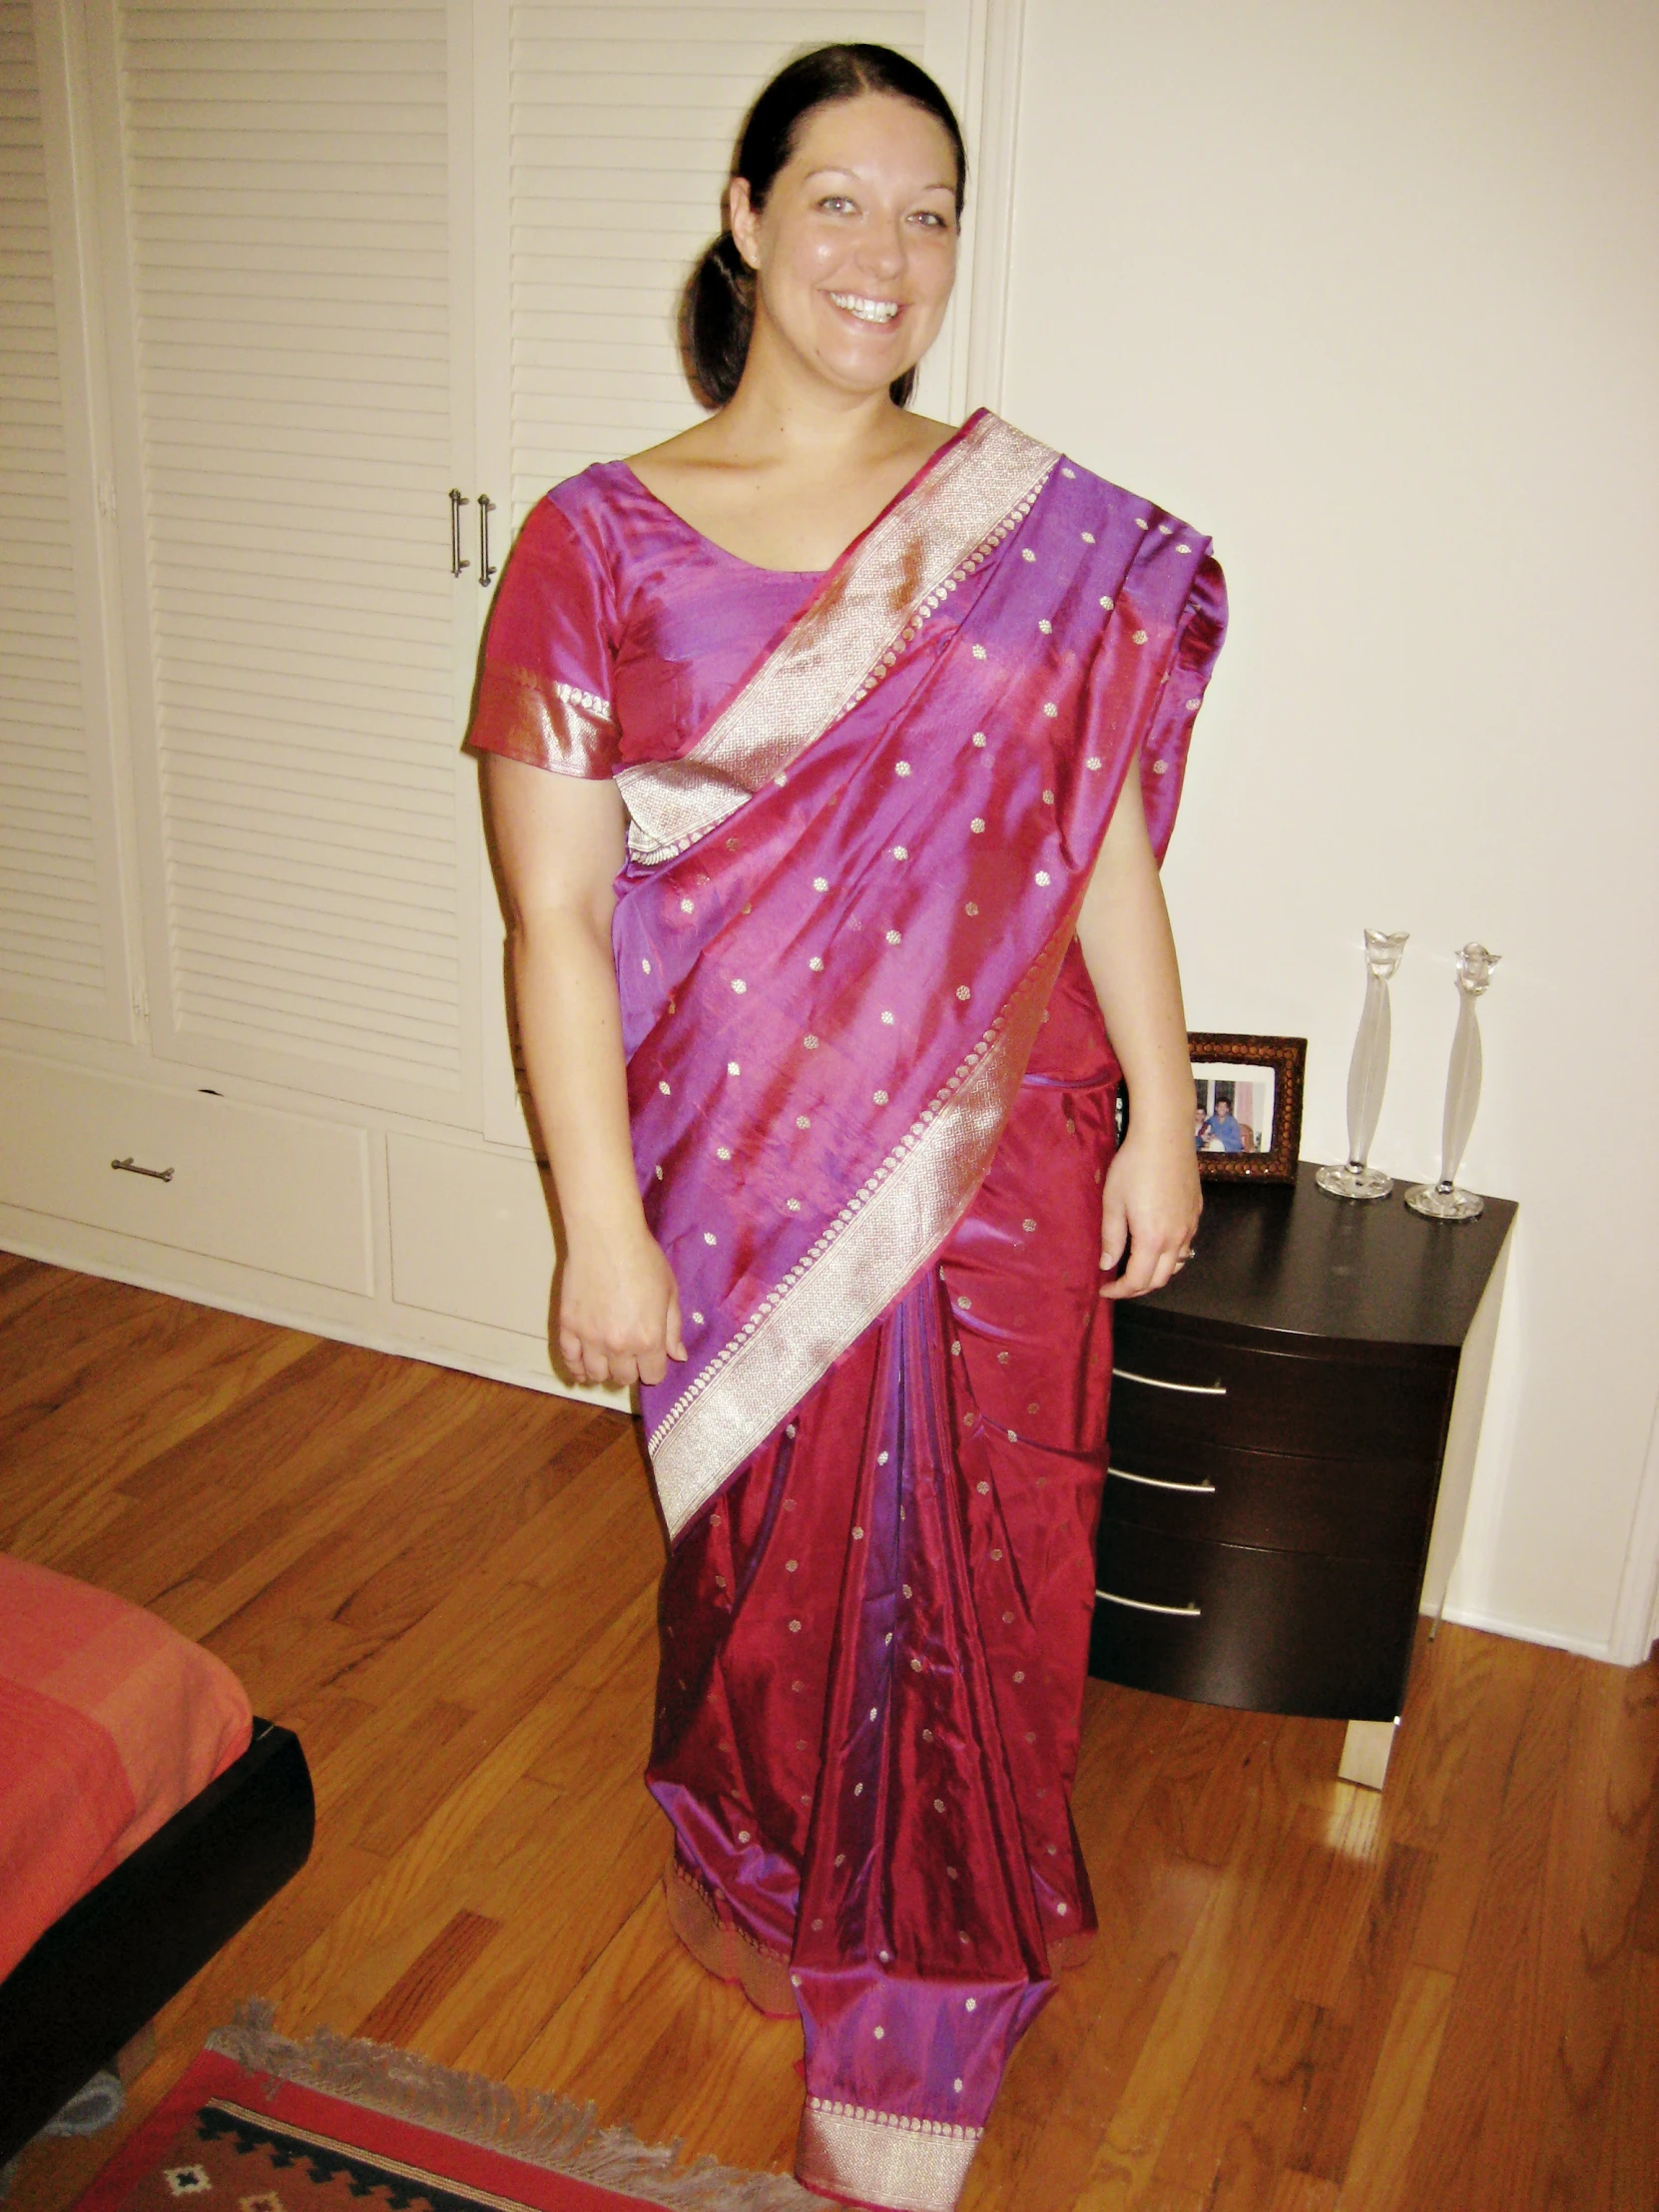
1367, 1072
1443, 1201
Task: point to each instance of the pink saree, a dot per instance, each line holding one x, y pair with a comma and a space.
873, 1106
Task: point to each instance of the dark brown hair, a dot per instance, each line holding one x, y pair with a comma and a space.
717, 307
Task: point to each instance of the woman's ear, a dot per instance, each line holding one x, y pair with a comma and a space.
741, 221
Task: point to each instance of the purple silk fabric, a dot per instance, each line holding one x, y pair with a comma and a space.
874, 1624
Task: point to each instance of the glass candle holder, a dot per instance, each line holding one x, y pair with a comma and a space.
1368, 1074
1443, 1201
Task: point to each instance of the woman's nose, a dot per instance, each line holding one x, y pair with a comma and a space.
881, 249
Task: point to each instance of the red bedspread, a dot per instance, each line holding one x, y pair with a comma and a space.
110, 1721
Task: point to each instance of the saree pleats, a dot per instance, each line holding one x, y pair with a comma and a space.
873, 1654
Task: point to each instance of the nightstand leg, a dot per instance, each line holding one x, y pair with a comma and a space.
1366, 1750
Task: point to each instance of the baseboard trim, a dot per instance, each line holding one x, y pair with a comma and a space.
1587, 1647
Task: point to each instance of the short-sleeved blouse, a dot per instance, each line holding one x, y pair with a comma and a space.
618, 630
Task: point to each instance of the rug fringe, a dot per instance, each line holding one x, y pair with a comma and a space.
541, 2128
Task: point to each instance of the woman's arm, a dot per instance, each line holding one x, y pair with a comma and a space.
559, 839
1151, 1199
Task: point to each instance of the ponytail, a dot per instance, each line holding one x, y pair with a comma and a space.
716, 314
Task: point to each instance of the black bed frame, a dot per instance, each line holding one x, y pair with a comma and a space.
114, 1960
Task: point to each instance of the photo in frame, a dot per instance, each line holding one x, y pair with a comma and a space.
1247, 1106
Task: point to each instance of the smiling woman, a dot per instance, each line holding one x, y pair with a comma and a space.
718, 311
866, 734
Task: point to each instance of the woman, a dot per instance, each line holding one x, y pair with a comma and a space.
893, 718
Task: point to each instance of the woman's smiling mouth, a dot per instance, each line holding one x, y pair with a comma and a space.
867, 310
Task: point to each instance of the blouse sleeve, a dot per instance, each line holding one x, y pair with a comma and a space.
1165, 741
544, 691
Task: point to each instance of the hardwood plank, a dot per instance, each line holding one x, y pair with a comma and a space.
1588, 1917
1125, 2169
1379, 2161
95, 1367
1356, 2026
603, 1517
482, 1818
70, 1312
1125, 1736
1628, 2158
640, 1972
1458, 1771
1240, 2105
682, 2085
1645, 1929
325, 1723
700, 2036
79, 1455
1475, 2147
421, 1448
447, 1961
1073, 2064
521, 1459
613, 1852
22, 1288
441, 1449
1301, 2193
1352, 1830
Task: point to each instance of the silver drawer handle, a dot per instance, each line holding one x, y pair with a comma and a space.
1158, 1482
1144, 1605
130, 1166
1156, 1383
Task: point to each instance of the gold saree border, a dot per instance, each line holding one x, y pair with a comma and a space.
871, 608
857, 1266
727, 1951
534, 719
883, 2157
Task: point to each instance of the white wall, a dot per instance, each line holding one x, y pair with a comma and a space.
1368, 293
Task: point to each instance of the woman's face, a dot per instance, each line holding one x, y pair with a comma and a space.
855, 248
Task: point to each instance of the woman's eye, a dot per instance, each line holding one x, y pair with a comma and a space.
836, 202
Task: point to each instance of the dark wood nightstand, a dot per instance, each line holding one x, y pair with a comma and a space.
1293, 1430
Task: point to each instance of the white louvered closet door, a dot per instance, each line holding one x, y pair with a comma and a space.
61, 953
297, 189
600, 180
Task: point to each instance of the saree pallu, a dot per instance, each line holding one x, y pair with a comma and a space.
872, 1105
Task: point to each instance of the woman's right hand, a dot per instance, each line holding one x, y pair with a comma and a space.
619, 1309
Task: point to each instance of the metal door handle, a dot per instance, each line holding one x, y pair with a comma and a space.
1159, 1483
1156, 1383
1145, 1606
457, 559
486, 507
130, 1166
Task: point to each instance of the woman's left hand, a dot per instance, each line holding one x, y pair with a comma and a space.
1150, 1206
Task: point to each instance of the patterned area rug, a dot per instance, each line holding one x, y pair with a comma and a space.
261, 2125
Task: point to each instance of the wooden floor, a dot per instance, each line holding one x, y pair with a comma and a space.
1305, 1997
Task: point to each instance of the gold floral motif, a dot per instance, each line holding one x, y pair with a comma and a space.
883, 2157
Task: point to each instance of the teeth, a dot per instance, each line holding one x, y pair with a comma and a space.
868, 311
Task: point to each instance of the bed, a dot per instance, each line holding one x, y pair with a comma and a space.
145, 1814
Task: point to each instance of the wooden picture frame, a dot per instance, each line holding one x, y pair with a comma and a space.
1234, 1071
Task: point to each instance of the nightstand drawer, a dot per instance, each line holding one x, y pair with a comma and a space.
1359, 1508
1170, 1388
1272, 1632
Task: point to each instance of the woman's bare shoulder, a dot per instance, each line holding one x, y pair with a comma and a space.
698, 447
